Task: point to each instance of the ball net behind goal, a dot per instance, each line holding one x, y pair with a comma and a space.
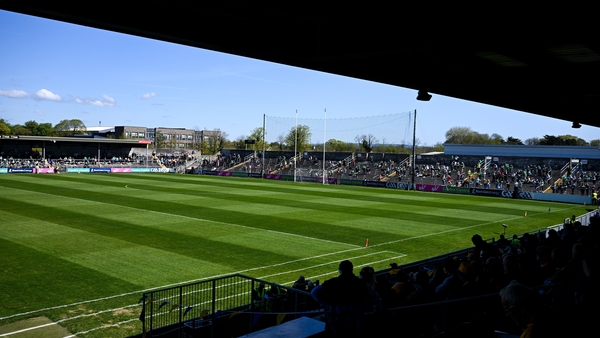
319, 138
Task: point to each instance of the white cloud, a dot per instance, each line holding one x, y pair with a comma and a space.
148, 96
106, 101
44, 94
39, 112
15, 94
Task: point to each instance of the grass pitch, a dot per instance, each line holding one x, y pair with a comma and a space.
80, 249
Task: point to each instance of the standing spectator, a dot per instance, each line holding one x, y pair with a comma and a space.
343, 298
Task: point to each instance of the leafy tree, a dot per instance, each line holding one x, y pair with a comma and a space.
222, 140
438, 147
338, 145
464, 135
459, 135
549, 140
240, 142
4, 127
257, 135
595, 143
46, 129
563, 140
32, 126
496, 139
302, 136
534, 141
18, 129
214, 143
512, 140
70, 127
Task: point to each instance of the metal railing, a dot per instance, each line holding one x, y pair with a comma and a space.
220, 306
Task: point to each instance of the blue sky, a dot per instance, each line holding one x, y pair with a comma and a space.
50, 71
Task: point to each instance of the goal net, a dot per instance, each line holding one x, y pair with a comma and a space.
319, 147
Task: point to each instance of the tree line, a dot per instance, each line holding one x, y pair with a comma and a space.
32, 128
464, 135
299, 138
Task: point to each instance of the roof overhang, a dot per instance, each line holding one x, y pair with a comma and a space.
538, 61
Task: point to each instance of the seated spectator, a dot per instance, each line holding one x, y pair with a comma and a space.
373, 302
423, 292
521, 305
300, 284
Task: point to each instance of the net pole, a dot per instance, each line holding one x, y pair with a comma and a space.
414, 152
296, 145
262, 164
324, 138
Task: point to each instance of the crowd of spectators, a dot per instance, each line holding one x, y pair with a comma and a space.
530, 284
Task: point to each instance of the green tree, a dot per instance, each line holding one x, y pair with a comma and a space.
595, 143
338, 145
563, 140
18, 129
549, 140
512, 140
240, 142
573, 140
4, 127
496, 139
459, 135
257, 135
46, 129
298, 138
214, 143
33, 127
70, 127
438, 147
222, 140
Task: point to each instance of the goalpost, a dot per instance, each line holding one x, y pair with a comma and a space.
315, 144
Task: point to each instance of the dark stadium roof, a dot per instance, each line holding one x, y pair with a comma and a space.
94, 140
542, 60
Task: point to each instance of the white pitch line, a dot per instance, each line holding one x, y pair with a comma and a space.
175, 284
221, 275
323, 264
136, 305
452, 230
102, 327
27, 329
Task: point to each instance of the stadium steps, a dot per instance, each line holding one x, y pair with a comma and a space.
388, 177
247, 159
558, 181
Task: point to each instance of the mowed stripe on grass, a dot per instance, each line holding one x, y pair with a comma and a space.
127, 232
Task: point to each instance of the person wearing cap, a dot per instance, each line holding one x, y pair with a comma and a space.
343, 298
